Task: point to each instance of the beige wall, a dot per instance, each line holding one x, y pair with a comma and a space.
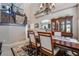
29, 9
78, 20
66, 12
20, 19
11, 34
0, 16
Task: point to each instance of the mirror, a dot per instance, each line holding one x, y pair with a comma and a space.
45, 25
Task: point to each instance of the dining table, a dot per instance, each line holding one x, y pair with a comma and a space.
66, 43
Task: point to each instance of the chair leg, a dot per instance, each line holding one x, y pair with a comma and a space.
60, 53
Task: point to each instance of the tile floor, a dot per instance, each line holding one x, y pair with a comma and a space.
6, 48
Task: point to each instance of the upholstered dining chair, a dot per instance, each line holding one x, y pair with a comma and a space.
32, 39
0, 48
47, 44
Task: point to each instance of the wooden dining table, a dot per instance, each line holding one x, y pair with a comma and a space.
69, 42
66, 43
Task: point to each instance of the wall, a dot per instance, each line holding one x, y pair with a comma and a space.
27, 11
11, 34
20, 19
66, 12
0, 16
78, 20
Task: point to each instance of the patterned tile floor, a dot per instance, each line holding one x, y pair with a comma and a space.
6, 49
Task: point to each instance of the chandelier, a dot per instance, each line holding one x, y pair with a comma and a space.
46, 8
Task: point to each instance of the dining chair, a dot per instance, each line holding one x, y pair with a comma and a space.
0, 48
47, 44
32, 38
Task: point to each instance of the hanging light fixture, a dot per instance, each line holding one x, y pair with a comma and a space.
47, 7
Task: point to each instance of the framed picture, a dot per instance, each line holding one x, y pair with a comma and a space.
36, 25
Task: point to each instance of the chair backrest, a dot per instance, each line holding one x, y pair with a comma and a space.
46, 40
0, 45
36, 33
32, 36
57, 33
